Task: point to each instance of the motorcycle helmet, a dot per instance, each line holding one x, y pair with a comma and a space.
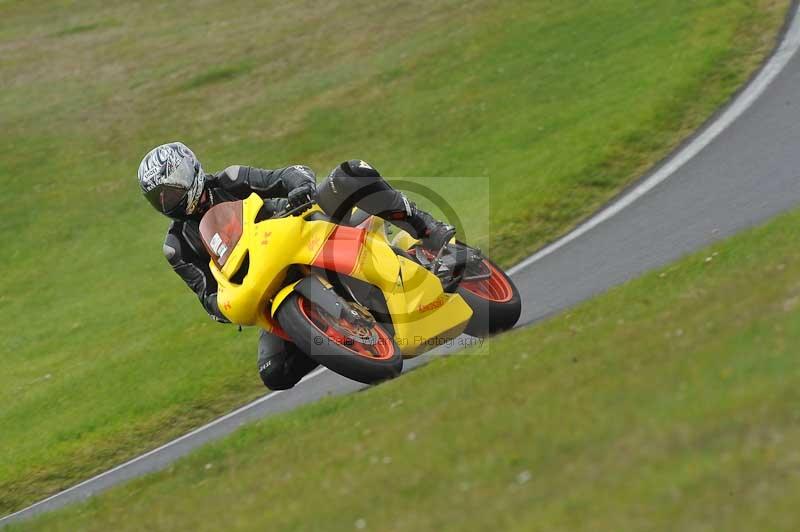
172, 179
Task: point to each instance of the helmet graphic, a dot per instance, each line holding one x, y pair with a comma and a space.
172, 179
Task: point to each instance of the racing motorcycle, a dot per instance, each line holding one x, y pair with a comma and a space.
343, 293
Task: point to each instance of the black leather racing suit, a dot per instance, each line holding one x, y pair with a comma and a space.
281, 364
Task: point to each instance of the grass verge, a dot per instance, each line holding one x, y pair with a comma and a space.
106, 354
670, 403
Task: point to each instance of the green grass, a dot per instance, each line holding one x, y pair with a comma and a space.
556, 105
669, 403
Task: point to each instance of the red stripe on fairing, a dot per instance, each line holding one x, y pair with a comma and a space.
341, 250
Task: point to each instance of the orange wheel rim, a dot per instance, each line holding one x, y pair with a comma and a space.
349, 335
494, 288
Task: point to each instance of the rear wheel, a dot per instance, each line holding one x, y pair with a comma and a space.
494, 299
358, 349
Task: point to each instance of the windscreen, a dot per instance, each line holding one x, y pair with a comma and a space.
221, 229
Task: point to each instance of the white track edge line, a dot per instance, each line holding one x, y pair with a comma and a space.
776, 64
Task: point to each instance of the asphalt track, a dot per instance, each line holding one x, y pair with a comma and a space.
740, 169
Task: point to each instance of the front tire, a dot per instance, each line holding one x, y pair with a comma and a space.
495, 302
365, 354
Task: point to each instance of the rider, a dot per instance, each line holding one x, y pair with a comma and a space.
173, 181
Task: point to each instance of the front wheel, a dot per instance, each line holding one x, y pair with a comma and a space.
494, 299
363, 351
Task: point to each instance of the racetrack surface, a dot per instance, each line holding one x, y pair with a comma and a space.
740, 169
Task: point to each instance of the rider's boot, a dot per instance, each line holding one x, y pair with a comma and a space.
433, 233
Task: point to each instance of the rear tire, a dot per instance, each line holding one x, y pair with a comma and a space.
495, 302
340, 345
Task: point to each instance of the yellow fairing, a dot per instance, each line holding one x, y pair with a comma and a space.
403, 240
281, 296
270, 246
422, 314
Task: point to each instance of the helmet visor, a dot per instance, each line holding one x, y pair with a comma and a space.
168, 199
171, 195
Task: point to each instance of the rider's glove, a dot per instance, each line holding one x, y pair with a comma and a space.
304, 194
276, 206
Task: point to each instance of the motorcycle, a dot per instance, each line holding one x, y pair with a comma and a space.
343, 293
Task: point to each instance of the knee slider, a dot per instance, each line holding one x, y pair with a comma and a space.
274, 378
